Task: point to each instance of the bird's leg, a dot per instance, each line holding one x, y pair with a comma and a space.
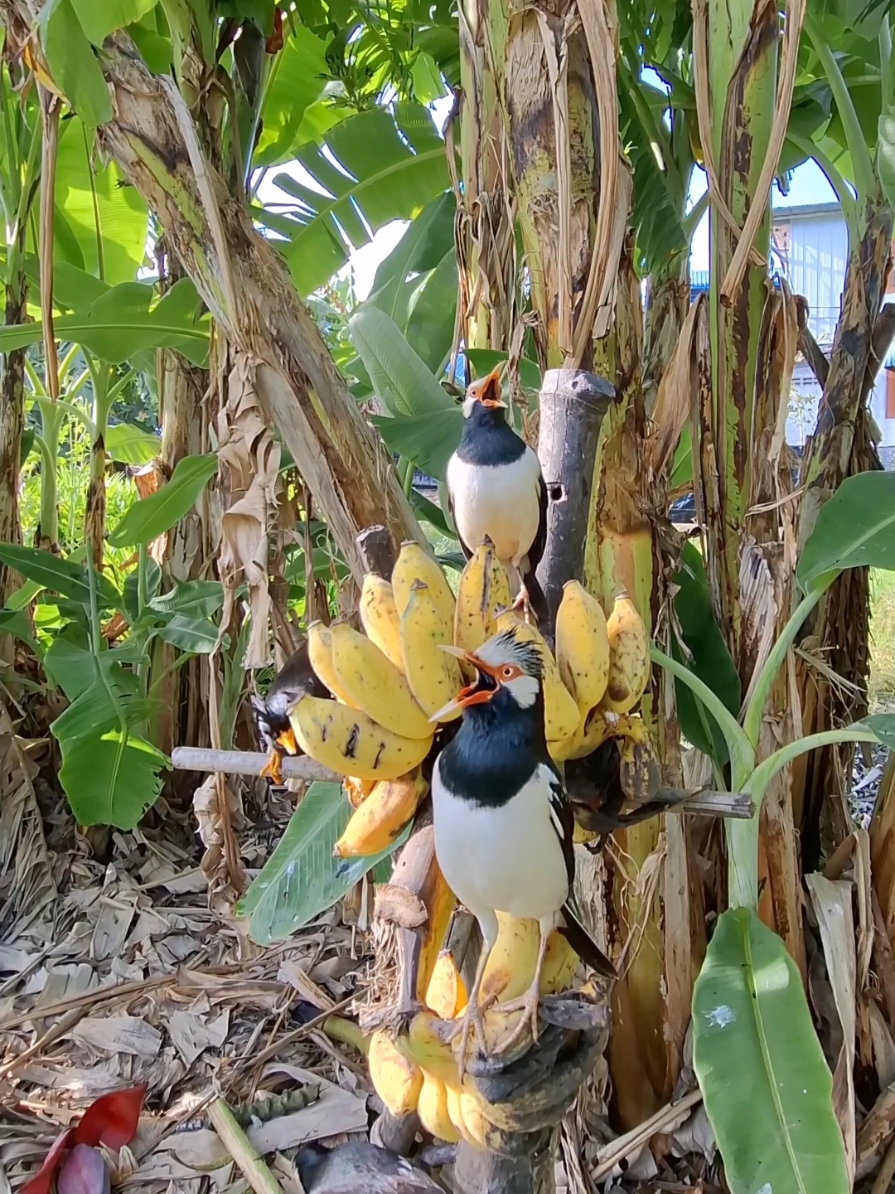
522, 602
528, 1003
472, 1015
273, 768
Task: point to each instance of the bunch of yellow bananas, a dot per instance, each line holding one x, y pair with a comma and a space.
388, 681
418, 1071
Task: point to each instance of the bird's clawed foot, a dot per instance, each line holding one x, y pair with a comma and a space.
470, 1019
273, 768
522, 604
528, 1005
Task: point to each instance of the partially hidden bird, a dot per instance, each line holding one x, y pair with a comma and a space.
503, 824
496, 490
360, 1167
295, 679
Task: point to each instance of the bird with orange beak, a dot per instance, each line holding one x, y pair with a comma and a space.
503, 824
495, 489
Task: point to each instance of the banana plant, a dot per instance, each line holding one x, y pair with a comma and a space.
751, 1021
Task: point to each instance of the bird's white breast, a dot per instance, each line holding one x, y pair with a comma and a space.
508, 859
500, 501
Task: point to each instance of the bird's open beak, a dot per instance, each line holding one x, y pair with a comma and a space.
490, 394
471, 694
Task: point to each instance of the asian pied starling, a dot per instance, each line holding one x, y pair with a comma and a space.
296, 678
503, 824
495, 488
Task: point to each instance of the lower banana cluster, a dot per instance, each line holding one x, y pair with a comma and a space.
417, 1071
388, 681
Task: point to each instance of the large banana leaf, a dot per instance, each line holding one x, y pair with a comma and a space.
709, 658
297, 82
374, 168
101, 221
855, 528
424, 424
766, 1085
301, 878
121, 323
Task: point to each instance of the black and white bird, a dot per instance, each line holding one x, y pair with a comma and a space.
495, 489
296, 678
503, 824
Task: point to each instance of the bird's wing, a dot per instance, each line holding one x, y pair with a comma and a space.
563, 821
450, 498
540, 540
573, 930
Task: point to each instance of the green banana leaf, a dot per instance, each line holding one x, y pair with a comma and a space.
766, 1086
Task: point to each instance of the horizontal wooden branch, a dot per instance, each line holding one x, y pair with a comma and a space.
737, 805
245, 762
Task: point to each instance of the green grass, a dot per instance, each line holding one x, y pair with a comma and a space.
882, 636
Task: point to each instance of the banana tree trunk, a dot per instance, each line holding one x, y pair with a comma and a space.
246, 285
12, 422
841, 446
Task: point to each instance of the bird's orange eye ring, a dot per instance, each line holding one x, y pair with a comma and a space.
509, 672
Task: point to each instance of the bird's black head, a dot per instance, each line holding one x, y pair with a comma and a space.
501, 739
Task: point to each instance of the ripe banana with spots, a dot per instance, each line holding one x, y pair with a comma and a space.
375, 685
484, 590
629, 663
376, 823
511, 964
379, 618
432, 674
397, 1080
349, 742
414, 563
582, 646
446, 993
320, 656
561, 716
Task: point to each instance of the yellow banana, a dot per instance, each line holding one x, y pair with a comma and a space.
349, 742
561, 716
379, 618
432, 1109
375, 685
381, 817
629, 664
475, 1123
423, 1046
397, 1080
414, 563
320, 654
561, 964
484, 588
592, 732
446, 994
466, 1115
511, 964
582, 646
440, 903
433, 675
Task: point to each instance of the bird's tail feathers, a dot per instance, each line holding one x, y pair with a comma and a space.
584, 945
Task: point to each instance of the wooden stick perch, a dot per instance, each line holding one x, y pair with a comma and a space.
736, 805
